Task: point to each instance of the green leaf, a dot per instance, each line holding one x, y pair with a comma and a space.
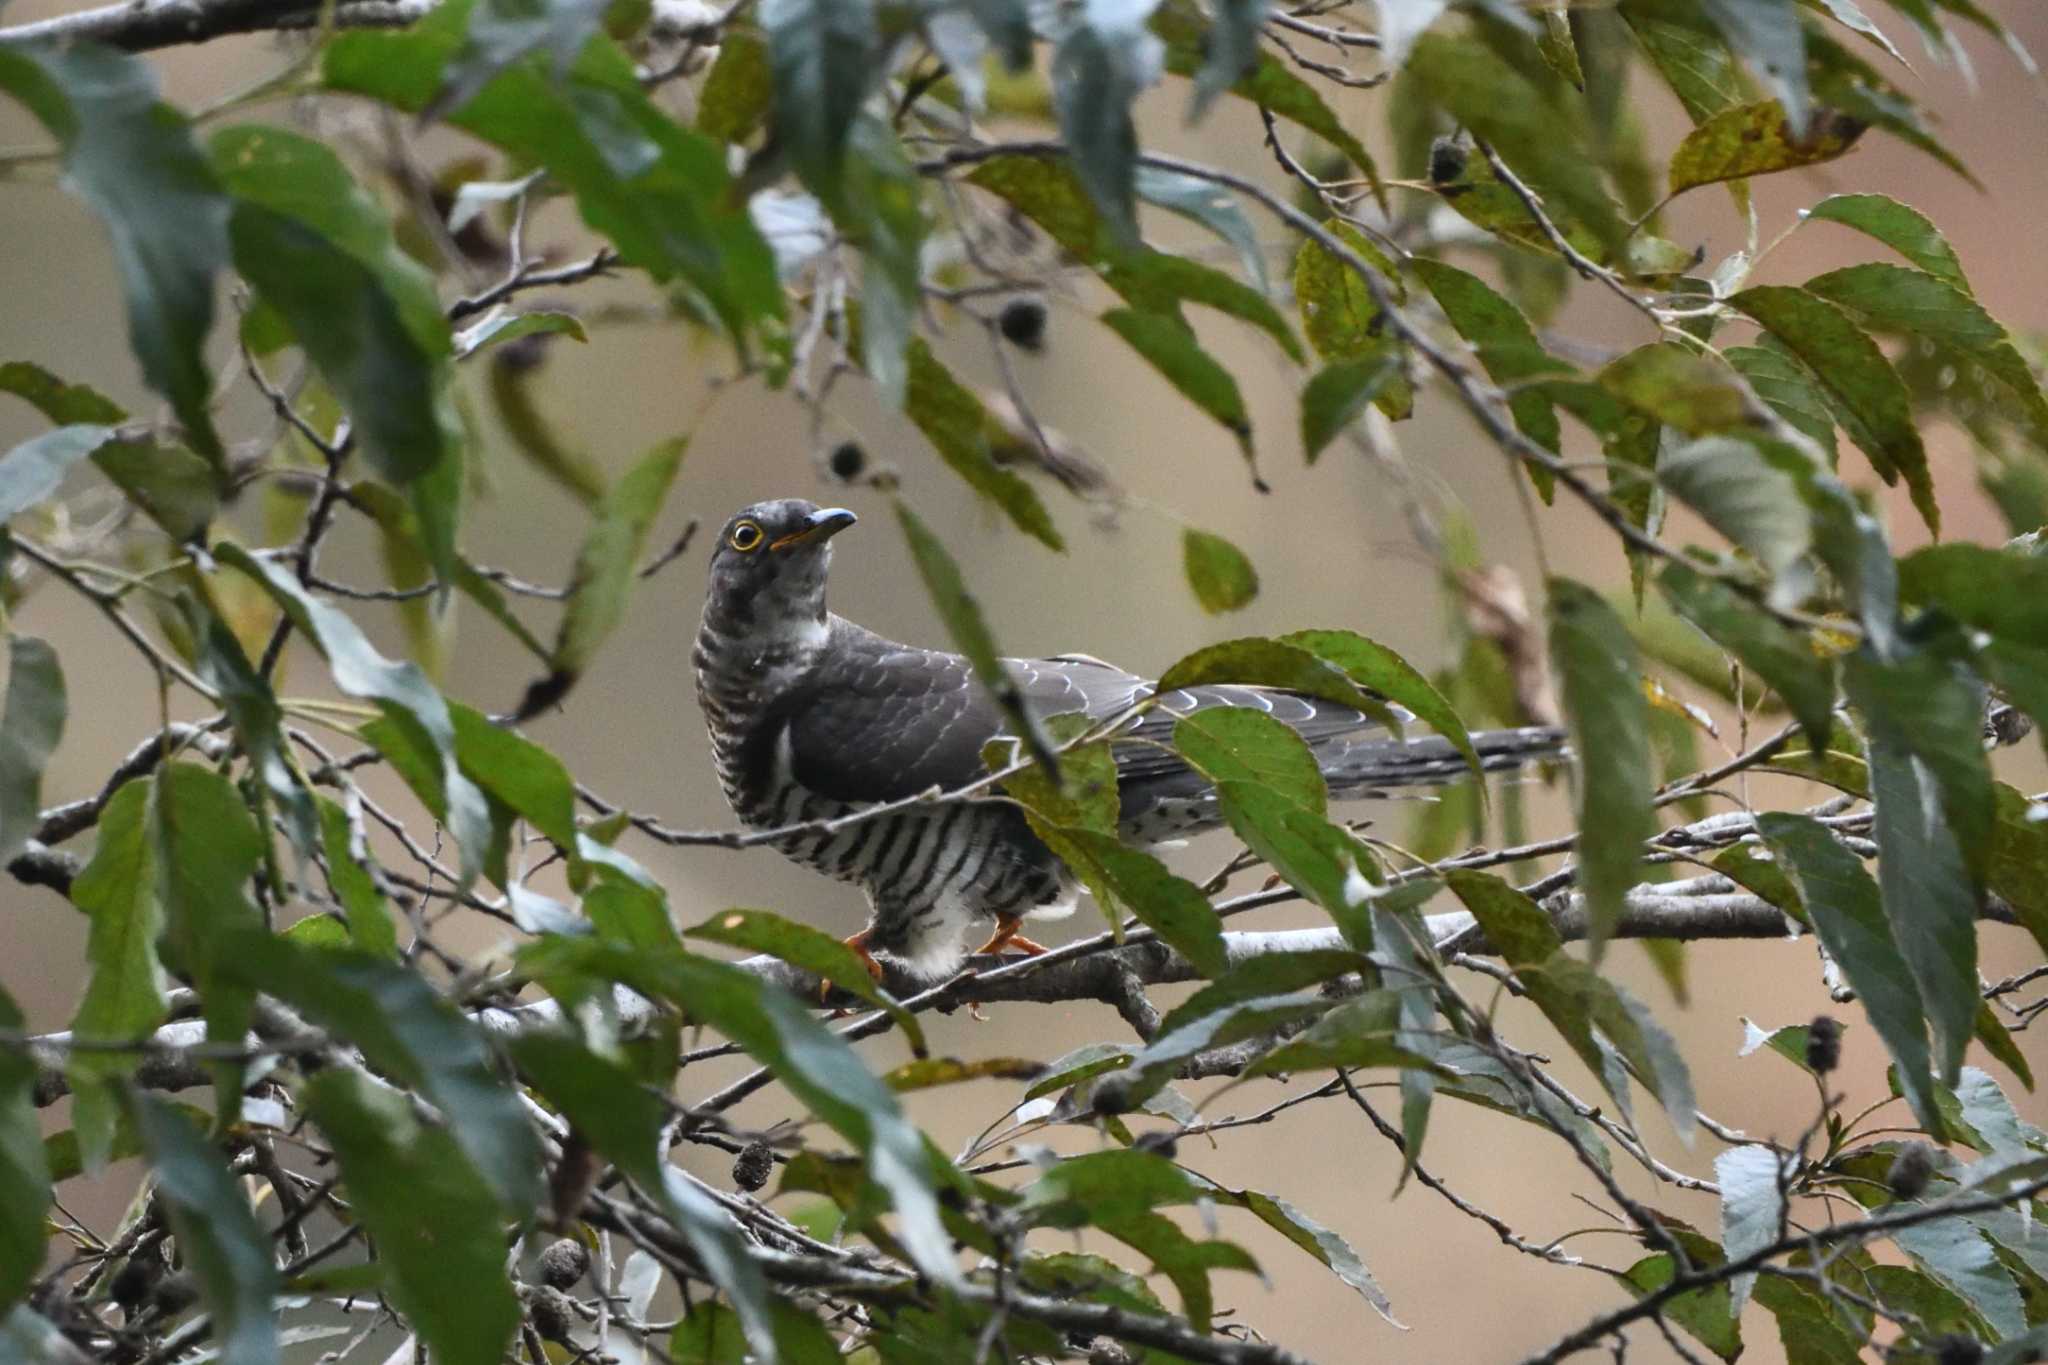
1747, 497
970, 633
654, 189
1678, 387
1358, 1033
30, 728
1341, 318
1270, 83
624, 1120
928, 1073
884, 216
764, 931
738, 91
610, 555
409, 1032
1226, 1021
206, 849
1223, 579
1893, 298
64, 404
173, 486
1811, 1328
301, 179
1170, 906
1704, 1313
1989, 589
32, 471
1272, 663
409, 702
1324, 861
1844, 906
1325, 1245
1103, 60
1789, 1042
433, 1216
1784, 659
1168, 344
369, 919
1385, 673
499, 327
1159, 282
1515, 925
502, 32
1545, 137
1788, 389
962, 431
1084, 793
817, 1066
1767, 35
1957, 1253
1690, 56
1935, 816
1335, 397
1232, 45
258, 719
133, 159
1757, 139
24, 1169
1578, 1000
1259, 976
1869, 399
2019, 861
1501, 338
823, 55
1595, 662
1240, 744
1752, 1180
218, 1236
1905, 230
124, 999
525, 777
354, 333
1202, 201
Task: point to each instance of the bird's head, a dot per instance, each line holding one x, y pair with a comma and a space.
768, 568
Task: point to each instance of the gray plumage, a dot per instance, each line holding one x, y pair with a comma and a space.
811, 716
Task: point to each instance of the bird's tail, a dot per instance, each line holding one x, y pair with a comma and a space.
1177, 803
1365, 766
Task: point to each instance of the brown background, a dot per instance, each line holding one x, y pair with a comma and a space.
1330, 549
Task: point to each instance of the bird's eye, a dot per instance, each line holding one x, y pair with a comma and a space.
746, 536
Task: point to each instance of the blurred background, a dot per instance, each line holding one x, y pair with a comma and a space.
1331, 549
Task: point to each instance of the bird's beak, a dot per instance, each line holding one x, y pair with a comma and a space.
821, 525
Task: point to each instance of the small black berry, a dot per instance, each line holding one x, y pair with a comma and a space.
132, 1282
1823, 1044
751, 1169
564, 1263
1911, 1169
1023, 322
1446, 161
1159, 1143
1112, 1095
551, 1314
847, 461
1957, 1349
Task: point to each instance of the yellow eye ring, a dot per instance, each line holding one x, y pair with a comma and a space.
746, 536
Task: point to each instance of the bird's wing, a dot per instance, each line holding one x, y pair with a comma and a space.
882, 721
1076, 682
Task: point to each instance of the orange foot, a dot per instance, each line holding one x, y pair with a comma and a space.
859, 944
1006, 936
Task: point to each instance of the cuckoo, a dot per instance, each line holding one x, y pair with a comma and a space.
812, 717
